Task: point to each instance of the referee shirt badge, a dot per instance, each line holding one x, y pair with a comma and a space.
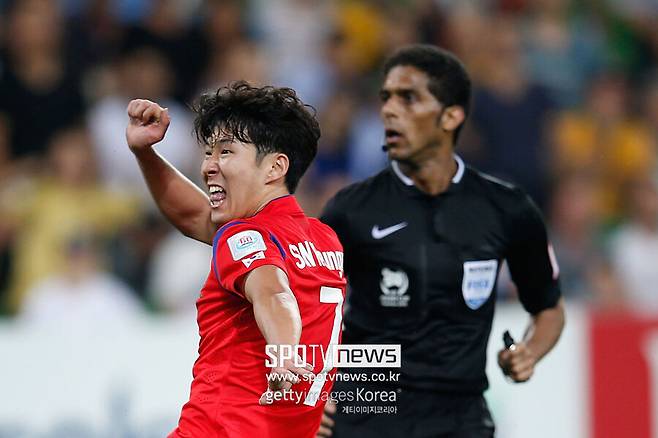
394, 285
478, 282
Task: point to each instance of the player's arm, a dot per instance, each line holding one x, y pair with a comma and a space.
535, 272
185, 205
275, 306
278, 318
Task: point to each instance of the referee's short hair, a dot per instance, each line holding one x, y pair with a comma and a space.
448, 80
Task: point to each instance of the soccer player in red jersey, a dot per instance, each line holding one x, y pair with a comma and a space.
276, 276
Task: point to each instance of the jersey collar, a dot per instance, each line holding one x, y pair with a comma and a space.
286, 204
409, 182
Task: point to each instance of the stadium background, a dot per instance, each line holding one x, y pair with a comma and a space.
97, 336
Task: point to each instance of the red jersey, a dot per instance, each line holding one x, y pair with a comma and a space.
230, 373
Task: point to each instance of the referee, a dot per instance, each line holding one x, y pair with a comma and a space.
424, 240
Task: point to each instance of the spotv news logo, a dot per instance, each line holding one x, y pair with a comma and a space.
335, 356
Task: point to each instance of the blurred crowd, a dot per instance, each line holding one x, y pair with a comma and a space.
565, 104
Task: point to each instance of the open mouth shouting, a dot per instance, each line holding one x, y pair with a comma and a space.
392, 136
217, 195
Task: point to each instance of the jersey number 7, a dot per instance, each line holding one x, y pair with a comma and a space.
328, 295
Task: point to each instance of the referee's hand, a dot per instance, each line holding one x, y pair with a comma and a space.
517, 362
327, 424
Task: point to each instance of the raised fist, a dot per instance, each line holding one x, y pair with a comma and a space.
147, 125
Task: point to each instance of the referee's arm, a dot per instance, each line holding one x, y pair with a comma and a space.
535, 272
541, 336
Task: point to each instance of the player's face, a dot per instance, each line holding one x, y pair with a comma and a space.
234, 179
411, 114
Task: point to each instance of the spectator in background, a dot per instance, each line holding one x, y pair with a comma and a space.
335, 120
171, 48
82, 294
632, 33
574, 223
223, 26
292, 34
64, 199
563, 49
605, 137
165, 28
634, 247
132, 248
329, 171
5, 235
464, 26
385, 30
141, 71
177, 268
229, 52
39, 90
401, 27
365, 126
366, 130
95, 35
3, 8
432, 23
244, 60
651, 110
510, 113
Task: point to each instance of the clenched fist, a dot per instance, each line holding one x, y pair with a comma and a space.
518, 362
282, 378
148, 123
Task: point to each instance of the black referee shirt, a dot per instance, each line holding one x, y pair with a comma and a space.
422, 269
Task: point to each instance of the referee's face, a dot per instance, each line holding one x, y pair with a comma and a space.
411, 115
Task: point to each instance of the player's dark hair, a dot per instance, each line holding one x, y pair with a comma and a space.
273, 119
448, 80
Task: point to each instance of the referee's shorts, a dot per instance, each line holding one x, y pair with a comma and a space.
413, 414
